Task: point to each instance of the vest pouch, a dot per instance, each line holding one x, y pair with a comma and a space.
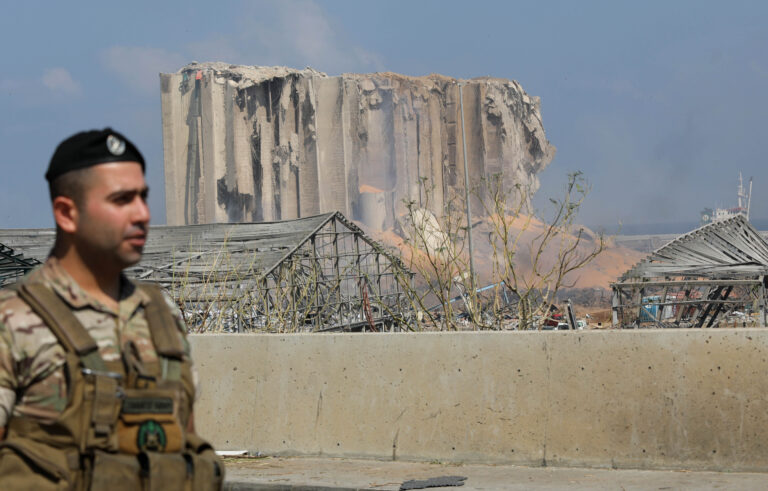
149, 422
27, 464
166, 471
102, 397
116, 472
208, 469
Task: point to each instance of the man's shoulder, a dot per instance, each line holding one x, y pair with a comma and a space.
156, 293
9, 295
10, 302
16, 315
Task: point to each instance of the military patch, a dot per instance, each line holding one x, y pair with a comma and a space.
151, 437
115, 145
148, 405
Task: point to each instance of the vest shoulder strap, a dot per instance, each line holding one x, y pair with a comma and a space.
62, 322
162, 324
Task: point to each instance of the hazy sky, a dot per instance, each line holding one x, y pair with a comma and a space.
660, 104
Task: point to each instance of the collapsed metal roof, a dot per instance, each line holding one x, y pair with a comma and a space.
13, 265
729, 248
317, 273
714, 275
308, 274
192, 250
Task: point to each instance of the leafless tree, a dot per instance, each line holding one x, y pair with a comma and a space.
532, 257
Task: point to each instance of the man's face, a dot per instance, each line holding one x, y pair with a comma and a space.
113, 217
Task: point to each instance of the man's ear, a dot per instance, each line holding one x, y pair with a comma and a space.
65, 213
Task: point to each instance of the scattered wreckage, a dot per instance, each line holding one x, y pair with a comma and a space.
715, 275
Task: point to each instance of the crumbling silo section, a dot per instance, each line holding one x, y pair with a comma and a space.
272, 143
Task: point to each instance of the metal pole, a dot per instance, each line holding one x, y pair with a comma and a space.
466, 192
763, 319
615, 302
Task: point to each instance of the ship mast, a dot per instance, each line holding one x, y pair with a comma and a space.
740, 193
745, 197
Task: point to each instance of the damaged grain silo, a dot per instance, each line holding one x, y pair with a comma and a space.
256, 144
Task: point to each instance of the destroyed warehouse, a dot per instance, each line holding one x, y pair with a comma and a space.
318, 273
713, 275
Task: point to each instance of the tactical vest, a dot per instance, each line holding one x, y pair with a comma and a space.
124, 426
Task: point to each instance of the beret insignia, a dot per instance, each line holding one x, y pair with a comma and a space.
115, 145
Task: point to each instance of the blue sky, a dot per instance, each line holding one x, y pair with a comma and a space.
660, 104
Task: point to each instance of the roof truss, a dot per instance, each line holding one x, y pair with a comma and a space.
725, 248
13, 265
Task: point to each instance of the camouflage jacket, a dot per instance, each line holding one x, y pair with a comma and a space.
32, 376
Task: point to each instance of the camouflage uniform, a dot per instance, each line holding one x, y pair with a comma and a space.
32, 362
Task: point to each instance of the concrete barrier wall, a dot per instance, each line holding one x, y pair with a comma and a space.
693, 399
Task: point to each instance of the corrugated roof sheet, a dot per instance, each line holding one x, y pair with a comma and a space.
13, 264
192, 249
729, 248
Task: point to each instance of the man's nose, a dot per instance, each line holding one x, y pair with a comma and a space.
141, 211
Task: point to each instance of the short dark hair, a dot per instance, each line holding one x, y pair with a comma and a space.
71, 184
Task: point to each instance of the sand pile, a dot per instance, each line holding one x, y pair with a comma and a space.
599, 273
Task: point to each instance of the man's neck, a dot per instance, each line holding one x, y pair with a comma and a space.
104, 286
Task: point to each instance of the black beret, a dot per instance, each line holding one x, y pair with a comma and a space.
89, 148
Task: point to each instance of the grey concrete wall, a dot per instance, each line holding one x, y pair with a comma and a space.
628, 399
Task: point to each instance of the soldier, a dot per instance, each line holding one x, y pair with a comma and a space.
96, 382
